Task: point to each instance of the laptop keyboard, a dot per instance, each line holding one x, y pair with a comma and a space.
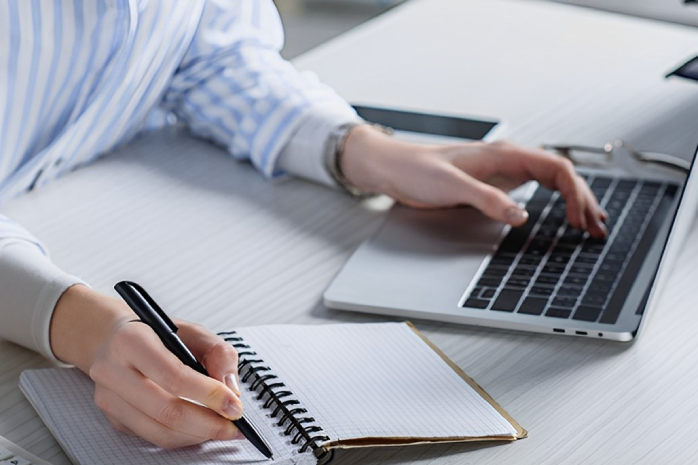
551, 269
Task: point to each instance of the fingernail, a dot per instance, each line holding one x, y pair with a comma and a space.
231, 380
232, 409
516, 216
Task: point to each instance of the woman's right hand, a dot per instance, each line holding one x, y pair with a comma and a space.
139, 384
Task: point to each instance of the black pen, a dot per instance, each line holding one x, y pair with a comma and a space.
151, 314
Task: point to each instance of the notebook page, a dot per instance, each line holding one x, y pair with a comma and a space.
374, 380
64, 400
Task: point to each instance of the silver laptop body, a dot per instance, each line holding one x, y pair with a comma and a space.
438, 264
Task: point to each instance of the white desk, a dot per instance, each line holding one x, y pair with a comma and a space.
261, 253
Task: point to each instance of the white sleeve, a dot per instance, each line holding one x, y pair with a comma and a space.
304, 154
30, 286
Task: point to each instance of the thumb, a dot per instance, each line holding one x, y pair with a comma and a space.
496, 204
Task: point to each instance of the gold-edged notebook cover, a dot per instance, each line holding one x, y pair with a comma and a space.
403, 441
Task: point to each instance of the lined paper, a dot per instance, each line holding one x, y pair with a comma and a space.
374, 380
64, 400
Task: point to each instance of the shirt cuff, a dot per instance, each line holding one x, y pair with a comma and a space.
304, 154
30, 288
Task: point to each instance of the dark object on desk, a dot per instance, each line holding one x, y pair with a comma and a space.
688, 70
151, 314
428, 123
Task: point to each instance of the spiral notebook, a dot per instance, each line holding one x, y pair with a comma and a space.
308, 390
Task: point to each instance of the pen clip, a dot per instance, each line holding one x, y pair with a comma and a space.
127, 289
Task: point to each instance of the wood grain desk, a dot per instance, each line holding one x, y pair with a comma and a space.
216, 244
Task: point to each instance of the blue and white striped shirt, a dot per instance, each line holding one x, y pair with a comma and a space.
80, 77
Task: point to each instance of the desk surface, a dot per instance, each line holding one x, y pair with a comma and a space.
260, 253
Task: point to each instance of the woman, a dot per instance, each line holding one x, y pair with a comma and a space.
80, 77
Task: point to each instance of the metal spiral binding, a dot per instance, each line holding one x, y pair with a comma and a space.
264, 382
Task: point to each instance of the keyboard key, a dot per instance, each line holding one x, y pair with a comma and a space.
613, 257
571, 291
582, 268
489, 282
530, 260
541, 291
587, 313
533, 306
538, 245
601, 183
565, 302
626, 185
553, 268
514, 241
594, 245
557, 312
547, 280
575, 280
600, 287
476, 303
492, 272
508, 300
564, 250
594, 299
610, 268
513, 282
559, 259
503, 259
547, 232
520, 272
487, 293
604, 277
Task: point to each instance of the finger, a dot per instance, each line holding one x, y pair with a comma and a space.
593, 213
172, 412
595, 216
144, 350
120, 427
488, 199
219, 357
573, 193
120, 411
551, 171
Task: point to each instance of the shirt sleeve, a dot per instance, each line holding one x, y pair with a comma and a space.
29, 289
234, 88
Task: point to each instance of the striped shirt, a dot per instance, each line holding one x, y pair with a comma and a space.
80, 77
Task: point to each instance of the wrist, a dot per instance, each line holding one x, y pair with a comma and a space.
82, 320
370, 159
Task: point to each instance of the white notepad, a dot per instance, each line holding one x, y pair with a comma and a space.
334, 386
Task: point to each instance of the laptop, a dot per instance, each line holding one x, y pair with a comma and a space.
457, 266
